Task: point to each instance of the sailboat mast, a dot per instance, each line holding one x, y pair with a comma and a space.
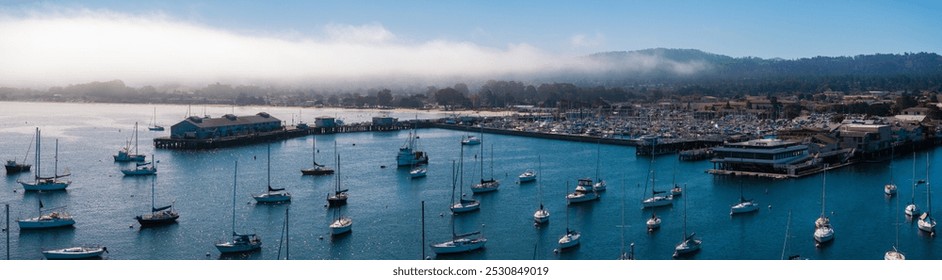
598, 158
824, 186
314, 152
287, 239
269, 166
453, 181
787, 225
55, 171
235, 172
539, 172
481, 159
492, 162
461, 169
153, 203
39, 153
913, 199
135, 138
928, 191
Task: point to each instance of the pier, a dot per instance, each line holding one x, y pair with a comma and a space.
264, 137
555, 136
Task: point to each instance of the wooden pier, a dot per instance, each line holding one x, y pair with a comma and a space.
264, 137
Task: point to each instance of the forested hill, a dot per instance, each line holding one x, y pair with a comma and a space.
687, 66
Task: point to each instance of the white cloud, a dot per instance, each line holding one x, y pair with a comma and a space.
53, 49
587, 41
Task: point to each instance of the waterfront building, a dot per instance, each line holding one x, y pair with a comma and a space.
762, 156
226, 126
866, 137
324, 121
385, 121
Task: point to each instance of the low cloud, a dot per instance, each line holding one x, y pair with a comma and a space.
52, 49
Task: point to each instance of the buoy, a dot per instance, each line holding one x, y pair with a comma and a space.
555, 251
207, 254
320, 237
131, 226
354, 144
770, 206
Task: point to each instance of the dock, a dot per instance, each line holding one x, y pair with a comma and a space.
265, 137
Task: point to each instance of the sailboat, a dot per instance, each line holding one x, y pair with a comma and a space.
317, 169
744, 205
890, 188
341, 224
571, 238
599, 185
894, 254
272, 195
75, 253
690, 244
12, 166
823, 232
926, 223
656, 199
153, 125
654, 222
52, 219
142, 168
488, 185
41, 183
239, 242
460, 243
527, 176
788, 224
676, 191
541, 216
630, 255
912, 209
463, 204
125, 155
340, 196
409, 155
158, 215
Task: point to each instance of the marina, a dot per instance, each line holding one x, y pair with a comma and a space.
386, 201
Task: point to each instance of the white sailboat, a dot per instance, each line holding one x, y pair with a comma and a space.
46, 183
142, 168
460, 243
690, 244
912, 210
75, 253
53, 219
317, 169
823, 232
488, 185
239, 242
744, 205
463, 204
676, 191
158, 215
153, 125
599, 185
341, 224
527, 176
272, 195
890, 188
541, 216
658, 198
125, 155
654, 222
926, 222
571, 238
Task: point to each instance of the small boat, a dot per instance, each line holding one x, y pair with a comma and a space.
527, 176
653, 223
409, 155
571, 238
273, 195
926, 222
463, 204
317, 169
541, 216
418, 172
75, 253
744, 205
340, 195
52, 219
158, 215
470, 140
239, 242
823, 232
460, 243
341, 224
125, 155
912, 210
677, 191
691, 244
153, 125
46, 183
142, 169
12, 166
487, 185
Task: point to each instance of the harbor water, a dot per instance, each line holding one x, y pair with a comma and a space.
385, 204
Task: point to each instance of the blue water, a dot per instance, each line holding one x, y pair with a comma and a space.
385, 203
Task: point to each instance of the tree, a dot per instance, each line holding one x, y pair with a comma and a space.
384, 97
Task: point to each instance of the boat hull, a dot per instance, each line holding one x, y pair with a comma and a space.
459, 246
464, 208
272, 198
911, 210
541, 217
657, 201
339, 227
34, 223
744, 207
46, 185
120, 157
525, 178
229, 248
926, 226
139, 172
317, 171
687, 248
653, 223
75, 253
579, 197
823, 235
17, 168
157, 219
569, 241
484, 187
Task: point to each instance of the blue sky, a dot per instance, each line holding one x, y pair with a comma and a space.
479, 31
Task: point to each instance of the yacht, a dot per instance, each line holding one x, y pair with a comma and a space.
75, 253
142, 169
527, 176
460, 243
658, 198
912, 210
894, 254
926, 222
541, 216
653, 223
273, 195
463, 204
158, 215
690, 244
153, 125
744, 205
341, 225
583, 192
486, 185
571, 238
52, 219
600, 185
890, 188
823, 232
239, 242
340, 195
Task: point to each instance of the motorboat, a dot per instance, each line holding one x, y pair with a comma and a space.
527, 176
125, 155
409, 155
